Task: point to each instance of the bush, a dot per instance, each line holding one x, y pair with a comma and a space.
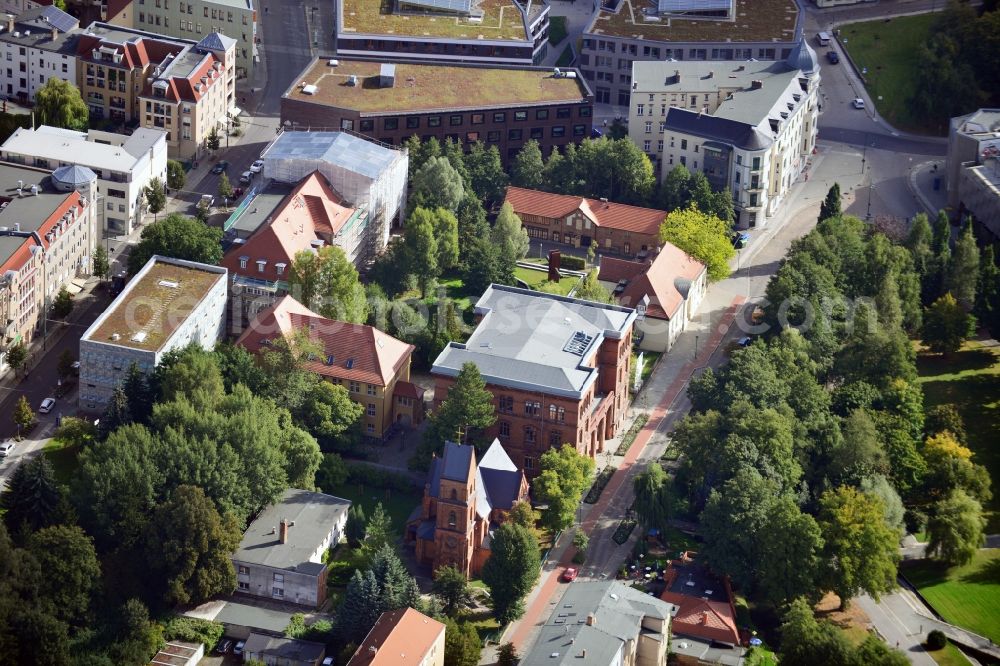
632, 433
193, 630
379, 478
571, 263
597, 488
936, 640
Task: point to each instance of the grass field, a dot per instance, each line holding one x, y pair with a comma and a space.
566, 57
949, 656
535, 280
62, 457
970, 380
397, 504
968, 596
888, 49
557, 29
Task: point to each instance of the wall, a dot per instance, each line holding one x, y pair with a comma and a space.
299, 588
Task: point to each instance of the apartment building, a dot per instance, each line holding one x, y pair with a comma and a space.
169, 304
973, 169
373, 366
37, 45
494, 31
124, 164
46, 242
558, 368
196, 19
281, 554
503, 106
113, 66
621, 33
190, 94
404, 636
756, 141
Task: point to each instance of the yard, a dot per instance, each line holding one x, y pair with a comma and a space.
970, 380
968, 596
398, 504
62, 456
536, 279
888, 50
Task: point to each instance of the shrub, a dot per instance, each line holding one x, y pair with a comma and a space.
193, 630
936, 640
571, 263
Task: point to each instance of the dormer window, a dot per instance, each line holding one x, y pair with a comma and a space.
261, 263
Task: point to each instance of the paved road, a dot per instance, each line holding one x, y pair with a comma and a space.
896, 620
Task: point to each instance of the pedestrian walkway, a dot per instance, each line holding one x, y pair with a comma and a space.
921, 181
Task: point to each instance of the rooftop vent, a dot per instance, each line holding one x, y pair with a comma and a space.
386, 75
578, 343
169, 284
115, 337
309, 90
352, 80
139, 337
756, 84
333, 63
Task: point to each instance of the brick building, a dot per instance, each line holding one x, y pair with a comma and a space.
463, 502
558, 368
612, 228
502, 106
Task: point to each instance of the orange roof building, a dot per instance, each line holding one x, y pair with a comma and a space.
373, 366
402, 638
666, 292
704, 602
612, 228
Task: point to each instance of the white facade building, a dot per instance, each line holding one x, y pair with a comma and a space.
168, 305
36, 45
748, 127
124, 164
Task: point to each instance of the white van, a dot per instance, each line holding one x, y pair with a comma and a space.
823, 38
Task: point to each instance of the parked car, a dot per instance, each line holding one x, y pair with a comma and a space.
570, 574
220, 166
6, 448
328, 661
207, 201
223, 646
740, 239
858, 103
744, 341
238, 648
47, 405
246, 176
832, 57
257, 166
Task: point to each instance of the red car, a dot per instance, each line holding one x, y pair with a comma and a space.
569, 575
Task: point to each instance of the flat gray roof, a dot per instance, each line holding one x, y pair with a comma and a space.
536, 341
259, 209
28, 211
311, 516
292, 649
344, 150
254, 617
698, 76
70, 147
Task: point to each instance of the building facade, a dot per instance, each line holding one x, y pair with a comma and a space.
124, 165
374, 367
402, 632
281, 554
619, 35
192, 94
169, 304
46, 242
756, 142
493, 31
463, 503
557, 367
390, 102
39, 44
973, 169
611, 228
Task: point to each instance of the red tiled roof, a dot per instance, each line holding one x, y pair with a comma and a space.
374, 357
409, 390
701, 618
312, 211
662, 280
603, 213
399, 638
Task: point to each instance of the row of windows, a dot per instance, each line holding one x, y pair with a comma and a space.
458, 119
655, 52
493, 136
530, 434
531, 408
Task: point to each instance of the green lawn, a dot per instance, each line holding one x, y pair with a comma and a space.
949, 656
970, 380
399, 505
968, 596
557, 29
455, 290
565, 58
536, 279
62, 457
889, 50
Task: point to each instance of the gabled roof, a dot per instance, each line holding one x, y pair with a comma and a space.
500, 481
666, 280
705, 605
602, 213
399, 638
457, 462
351, 352
715, 128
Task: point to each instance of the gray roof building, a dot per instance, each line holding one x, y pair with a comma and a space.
284, 651
536, 341
598, 623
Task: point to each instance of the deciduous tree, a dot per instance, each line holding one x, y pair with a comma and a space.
511, 570
526, 168
592, 290
179, 237
652, 497
421, 246
175, 175
59, 104
963, 270
956, 529
156, 196
511, 241
947, 325
437, 184
17, 355
489, 181
225, 188
328, 283
72, 574
703, 236
461, 643
102, 269
451, 587
23, 415
565, 475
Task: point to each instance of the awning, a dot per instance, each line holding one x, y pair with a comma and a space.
75, 286
235, 111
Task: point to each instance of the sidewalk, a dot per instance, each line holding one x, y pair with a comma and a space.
921, 182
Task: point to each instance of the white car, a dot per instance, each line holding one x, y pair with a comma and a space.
257, 166
858, 103
6, 448
47, 405
246, 177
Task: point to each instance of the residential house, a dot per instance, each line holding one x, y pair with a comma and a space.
46, 242
364, 173
665, 292
605, 623
609, 227
558, 368
191, 95
124, 164
275, 651
756, 143
464, 502
169, 304
705, 611
403, 637
39, 44
282, 552
305, 219
973, 170
374, 367
392, 101
497, 31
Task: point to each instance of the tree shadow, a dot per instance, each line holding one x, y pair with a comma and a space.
988, 574
932, 365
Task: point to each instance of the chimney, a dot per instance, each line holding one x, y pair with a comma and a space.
583, 653
10, 23
283, 531
590, 619
54, 33
756, 84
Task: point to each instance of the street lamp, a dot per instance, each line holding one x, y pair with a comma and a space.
696, 347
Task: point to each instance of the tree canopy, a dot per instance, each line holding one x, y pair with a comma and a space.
511, 570
179, 237
326, 282
703, 236
59, 104
565, 475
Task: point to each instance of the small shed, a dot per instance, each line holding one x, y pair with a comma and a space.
179, 653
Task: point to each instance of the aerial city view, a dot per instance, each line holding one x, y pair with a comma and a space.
461, 332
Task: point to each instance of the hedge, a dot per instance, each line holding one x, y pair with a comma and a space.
569, 262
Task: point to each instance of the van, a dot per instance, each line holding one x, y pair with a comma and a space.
823, 38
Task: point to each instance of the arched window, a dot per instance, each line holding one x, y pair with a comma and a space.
552, 412
529, 435
454, 494
452, 519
